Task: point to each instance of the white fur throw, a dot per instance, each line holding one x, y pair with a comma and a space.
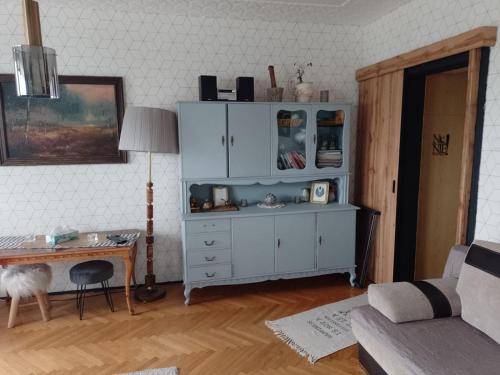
25, 280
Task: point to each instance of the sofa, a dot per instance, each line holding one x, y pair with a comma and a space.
400, 333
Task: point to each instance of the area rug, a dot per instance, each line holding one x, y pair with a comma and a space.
319, 332
156, 371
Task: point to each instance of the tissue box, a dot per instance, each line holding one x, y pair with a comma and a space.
54, 239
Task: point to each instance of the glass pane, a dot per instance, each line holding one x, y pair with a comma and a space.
329, 146
292, 139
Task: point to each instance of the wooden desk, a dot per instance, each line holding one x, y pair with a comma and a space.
29, 253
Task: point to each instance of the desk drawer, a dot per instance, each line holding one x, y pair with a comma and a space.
207, 257
216, 240
203, 226
207, 273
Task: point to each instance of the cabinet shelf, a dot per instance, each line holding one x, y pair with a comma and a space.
290, 208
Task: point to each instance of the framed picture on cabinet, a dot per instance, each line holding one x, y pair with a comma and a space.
319, 192
221, 195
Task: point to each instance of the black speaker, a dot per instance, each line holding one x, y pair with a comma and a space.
244, 89
208, 87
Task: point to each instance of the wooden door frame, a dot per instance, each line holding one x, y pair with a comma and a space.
471, 42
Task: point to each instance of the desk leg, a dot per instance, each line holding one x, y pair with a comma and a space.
128, 276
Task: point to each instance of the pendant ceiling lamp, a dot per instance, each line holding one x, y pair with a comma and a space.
35, 65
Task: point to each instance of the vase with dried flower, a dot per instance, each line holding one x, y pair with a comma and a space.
303, 90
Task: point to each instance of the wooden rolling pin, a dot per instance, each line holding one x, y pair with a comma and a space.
272, 76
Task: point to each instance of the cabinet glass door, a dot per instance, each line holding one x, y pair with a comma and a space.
290, 141
331, 145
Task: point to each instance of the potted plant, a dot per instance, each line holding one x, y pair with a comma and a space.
303, 90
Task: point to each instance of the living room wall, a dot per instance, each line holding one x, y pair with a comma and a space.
422, 22
159, 55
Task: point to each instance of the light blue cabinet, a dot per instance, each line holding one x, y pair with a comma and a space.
255, 149
253, 246
336, 239
295, 242
249, 132
203, 140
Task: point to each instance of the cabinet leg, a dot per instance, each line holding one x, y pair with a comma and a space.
187, 295
352, 278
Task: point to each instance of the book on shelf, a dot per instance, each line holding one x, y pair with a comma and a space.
292, 160
329, 158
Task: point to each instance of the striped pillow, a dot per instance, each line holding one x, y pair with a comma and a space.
479, 288
419, 300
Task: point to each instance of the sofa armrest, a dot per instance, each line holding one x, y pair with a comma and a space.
455, 260
406, 302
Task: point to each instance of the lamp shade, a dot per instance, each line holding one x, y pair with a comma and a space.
149, 130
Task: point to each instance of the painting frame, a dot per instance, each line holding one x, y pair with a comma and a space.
120, 157
324, 187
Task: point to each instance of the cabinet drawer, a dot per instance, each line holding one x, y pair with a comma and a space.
207, 257
203, 226
216, 240
207, 273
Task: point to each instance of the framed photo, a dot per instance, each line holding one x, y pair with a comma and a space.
221, 195
319, 192
81, 127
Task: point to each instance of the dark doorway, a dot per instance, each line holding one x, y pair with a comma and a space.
411, 169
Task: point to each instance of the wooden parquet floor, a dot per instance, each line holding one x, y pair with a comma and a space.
221, 333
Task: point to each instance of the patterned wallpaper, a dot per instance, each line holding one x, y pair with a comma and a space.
160, 57
422, 22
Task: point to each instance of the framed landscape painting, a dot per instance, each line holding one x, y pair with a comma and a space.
81, 127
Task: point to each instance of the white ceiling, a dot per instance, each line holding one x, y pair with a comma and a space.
339, 12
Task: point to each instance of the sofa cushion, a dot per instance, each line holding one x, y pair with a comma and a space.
405, 301
479, 286
431, 347
455, 260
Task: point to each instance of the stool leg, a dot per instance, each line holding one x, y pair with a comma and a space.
47, 301
43, 307
82, 300
14, 305
107, 294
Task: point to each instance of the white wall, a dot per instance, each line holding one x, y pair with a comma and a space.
422, 22
159, 56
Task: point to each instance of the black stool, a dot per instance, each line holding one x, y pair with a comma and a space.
91, 272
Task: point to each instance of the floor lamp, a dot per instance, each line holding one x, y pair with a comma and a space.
150, 130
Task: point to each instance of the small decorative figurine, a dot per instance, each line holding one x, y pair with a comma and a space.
270, 199
207, 205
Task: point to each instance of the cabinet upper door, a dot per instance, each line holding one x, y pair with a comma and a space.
253, 246
291, 130
295, 242
336, 239
330, 139
249, 133
203, 140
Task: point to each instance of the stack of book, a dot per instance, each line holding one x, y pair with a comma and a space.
292, 160
329, 158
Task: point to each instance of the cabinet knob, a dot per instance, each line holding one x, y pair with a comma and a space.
210, 259
232, 141
210, 274
211, 243
279, 242
223, 140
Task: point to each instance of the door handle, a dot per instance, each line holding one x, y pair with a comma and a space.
232, 141
210, 274
320, 240
279, 242
314, 138
210, 259
394, 186
223, 140
211, 243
